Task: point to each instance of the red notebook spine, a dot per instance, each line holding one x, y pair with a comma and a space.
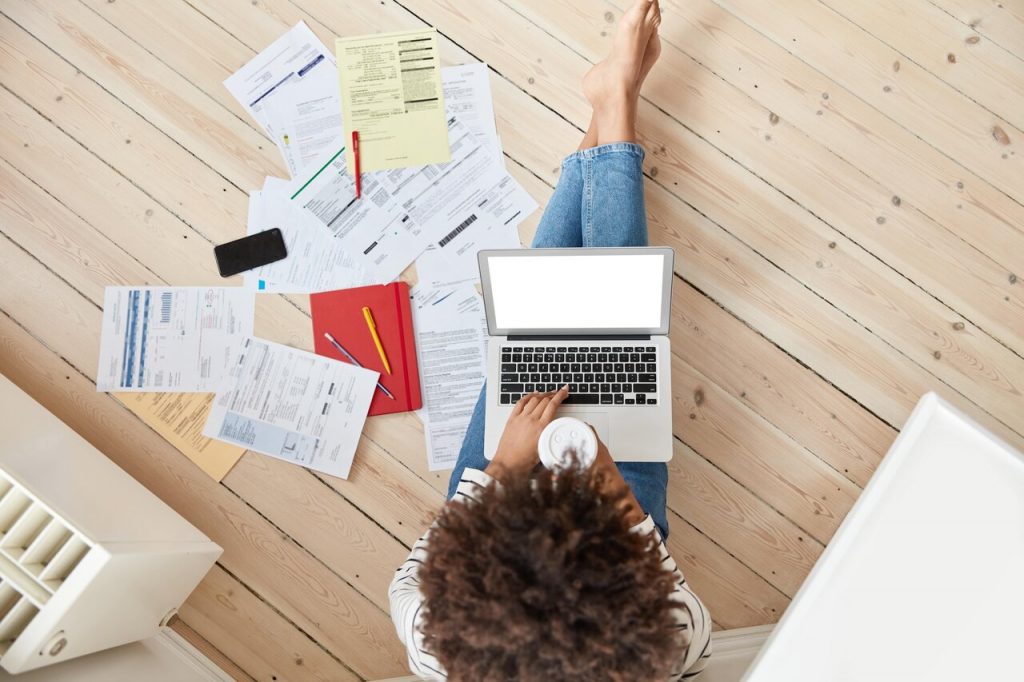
402, 307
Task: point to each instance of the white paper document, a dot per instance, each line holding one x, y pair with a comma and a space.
467, 97
295, 56
405, 209
305, 117
171, 339
315, 262
293, 405
455, 263
451, 350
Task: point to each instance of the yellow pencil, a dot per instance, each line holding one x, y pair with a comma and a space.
376, 339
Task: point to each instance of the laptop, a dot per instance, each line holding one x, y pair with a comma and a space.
595, 319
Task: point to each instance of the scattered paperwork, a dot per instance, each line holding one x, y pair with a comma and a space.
451, 347
316, 261
296, 56
293, 405
391, 93
171, 339
179, 418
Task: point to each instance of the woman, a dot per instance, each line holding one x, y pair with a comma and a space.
534, 575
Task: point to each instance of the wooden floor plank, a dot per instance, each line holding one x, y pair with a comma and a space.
719, 507
206, 649
928, 36
185, 185
776, 386
915, 98
149, 88
244, 628
1000, 22
919, 175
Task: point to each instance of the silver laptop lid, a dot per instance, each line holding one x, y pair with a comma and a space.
572, 292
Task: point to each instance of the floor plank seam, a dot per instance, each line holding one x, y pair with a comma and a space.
975, 29
730, 554
792, 357
854, 95
925, 69
288, 620
359, 509
841, 311
756, 496
119, 100
210, 644
240, 119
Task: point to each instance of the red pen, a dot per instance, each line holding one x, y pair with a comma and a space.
355, 155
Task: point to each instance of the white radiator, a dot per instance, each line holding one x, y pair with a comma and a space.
89, 558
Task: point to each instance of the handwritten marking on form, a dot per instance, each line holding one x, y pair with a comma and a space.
293, 405
451, 349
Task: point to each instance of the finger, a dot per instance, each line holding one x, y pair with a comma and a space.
556, 399
535, 404
518, 408
527, 402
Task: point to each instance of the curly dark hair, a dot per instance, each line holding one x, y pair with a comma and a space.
541, 579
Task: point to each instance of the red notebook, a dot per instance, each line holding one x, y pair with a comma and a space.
340, 313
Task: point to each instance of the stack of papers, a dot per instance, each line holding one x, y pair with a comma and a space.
439, 215
448, 210
436, 192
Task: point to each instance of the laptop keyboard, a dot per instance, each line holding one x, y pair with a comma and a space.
597, 375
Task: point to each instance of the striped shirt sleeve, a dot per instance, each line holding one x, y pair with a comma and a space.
405, 598
691, 614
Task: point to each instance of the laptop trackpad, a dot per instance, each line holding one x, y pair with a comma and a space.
599, 420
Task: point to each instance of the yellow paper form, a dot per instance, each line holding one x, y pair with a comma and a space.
391, 94
179, 418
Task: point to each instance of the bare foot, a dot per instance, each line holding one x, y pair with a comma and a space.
651, 55
621, 73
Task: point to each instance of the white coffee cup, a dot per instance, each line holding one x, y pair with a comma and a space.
563, 436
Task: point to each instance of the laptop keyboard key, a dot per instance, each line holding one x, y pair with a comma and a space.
581, 399
652, 401
645, 388
508, 368
506, 398
619, 399
630, 401
594, 388
509, 378
515, 397
606, 398
646, 357
511, 388
641, 399
648, 378
605, 388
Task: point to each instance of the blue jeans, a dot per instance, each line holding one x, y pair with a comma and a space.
599, 201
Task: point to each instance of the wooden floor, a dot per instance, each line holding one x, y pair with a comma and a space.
839, 180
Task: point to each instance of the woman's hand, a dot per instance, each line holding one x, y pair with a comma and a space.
517, 449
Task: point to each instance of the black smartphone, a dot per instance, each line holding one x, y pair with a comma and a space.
250, 252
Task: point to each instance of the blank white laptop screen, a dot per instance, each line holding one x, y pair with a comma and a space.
577, 292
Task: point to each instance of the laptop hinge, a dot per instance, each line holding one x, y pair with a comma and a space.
581, 337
